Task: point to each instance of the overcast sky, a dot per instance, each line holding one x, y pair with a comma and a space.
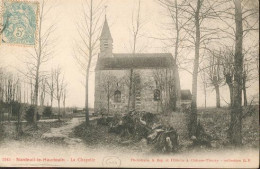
119, 14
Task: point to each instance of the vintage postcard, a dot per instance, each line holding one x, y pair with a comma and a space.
129, 83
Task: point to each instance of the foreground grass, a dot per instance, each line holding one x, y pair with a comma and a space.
215, 121
97, 137
30, 133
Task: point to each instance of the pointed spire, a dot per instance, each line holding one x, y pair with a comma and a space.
105, 10
105, 34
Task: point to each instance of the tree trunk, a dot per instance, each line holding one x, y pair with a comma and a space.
108, 98
230, 86
86, 99
176, 54
133, 96
89, 60
35, 100
130, 93
31, 94
9, 112
193, 116
205, 95
59, 109
244, 91
51, 98
64, 103
167, 101
217, 96
1, 117
36, 86
236, 110
19, 125
161, 103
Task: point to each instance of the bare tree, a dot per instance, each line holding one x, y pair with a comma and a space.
204, 80
42, 91
214, 73
51, 86
177, 37
9, 93
250, 15
137, 25
109, 84
2, 92
64, 97
200, 35
236, 110
228, 70
161, 86
11, 97
244, 81
87, 47
250, 74
2, 85
31, 91
60, 85
189, 18
240, 18
43, 50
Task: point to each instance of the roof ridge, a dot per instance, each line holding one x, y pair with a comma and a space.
154, 55
137, 62
144, 53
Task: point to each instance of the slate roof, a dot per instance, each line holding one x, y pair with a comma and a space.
105, 34
138, 61
186, 95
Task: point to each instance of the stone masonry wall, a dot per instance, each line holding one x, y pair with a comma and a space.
108, 81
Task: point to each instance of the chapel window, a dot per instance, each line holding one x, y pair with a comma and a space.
156, 95
117, 96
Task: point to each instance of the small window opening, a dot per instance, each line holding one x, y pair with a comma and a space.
156, 95
117, 96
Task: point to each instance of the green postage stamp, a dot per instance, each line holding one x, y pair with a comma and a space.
19, 20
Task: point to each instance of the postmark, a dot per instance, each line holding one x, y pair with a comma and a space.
111, 161
20, 20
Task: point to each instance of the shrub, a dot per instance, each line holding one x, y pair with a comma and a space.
1, 132
16, 106
29, 114
47, 112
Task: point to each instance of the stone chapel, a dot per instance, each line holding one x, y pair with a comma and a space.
155, 80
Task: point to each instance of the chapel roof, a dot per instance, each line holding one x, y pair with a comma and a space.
138, 61
105, 34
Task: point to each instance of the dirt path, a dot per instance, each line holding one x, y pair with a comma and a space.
64, 133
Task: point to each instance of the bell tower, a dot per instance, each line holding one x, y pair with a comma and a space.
106, 41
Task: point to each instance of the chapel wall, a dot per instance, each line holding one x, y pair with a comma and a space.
119, 80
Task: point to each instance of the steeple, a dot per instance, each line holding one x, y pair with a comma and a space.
105, 31
106, 41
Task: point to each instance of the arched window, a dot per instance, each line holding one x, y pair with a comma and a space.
117, 96
156, 95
